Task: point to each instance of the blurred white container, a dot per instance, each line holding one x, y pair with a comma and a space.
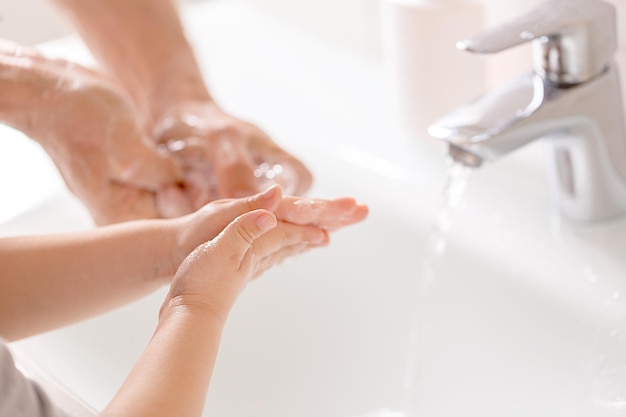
426, 75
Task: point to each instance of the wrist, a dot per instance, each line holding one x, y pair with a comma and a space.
197, 305
171, 99
142, 42
166, 84
169, 252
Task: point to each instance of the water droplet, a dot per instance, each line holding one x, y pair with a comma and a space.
274, 173
278, 169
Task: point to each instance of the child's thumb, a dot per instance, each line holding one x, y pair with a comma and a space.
241, 233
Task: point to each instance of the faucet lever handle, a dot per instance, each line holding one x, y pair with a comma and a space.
573, 40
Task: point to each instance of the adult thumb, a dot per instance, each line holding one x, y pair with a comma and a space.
239, 236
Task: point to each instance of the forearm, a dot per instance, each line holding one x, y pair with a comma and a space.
143, 43
51, 281
172, 376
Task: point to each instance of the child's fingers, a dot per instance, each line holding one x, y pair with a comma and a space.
287, 235
237, 238
333, 221
227, 209
217, 215
326, 214
283, 253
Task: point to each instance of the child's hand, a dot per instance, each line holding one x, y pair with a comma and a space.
214, 274
267, 229
293, 213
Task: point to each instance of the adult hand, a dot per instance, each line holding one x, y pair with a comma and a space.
221, 154
96, 139
142, 42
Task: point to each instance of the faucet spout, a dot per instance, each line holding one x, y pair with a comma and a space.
495, 124
464, 157
572, 98
583, 123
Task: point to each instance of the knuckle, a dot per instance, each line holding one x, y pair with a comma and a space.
289, 235
245, 233
249, 203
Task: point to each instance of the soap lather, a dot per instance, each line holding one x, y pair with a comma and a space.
199, 170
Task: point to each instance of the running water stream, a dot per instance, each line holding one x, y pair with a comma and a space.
457, 179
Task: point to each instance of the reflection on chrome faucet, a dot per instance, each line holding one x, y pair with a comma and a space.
572, 97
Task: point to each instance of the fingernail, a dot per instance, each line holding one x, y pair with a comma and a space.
266, 222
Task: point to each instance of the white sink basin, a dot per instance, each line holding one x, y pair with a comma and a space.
519, 314
328, 330
512, 323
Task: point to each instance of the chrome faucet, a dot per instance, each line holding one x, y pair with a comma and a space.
572, 97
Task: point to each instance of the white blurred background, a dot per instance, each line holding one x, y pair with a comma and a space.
353, 24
